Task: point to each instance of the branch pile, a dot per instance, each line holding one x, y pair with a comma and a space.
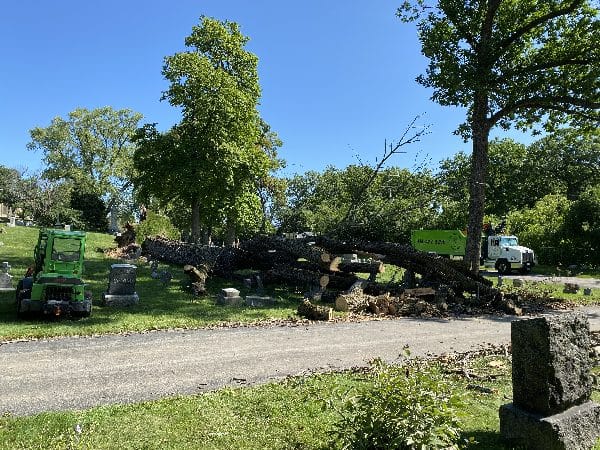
319, 267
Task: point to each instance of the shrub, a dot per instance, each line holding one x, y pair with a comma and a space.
410, 406
156, 225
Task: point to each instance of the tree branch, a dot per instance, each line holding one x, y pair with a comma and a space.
553, 14
561, 103
566, 61
388, 152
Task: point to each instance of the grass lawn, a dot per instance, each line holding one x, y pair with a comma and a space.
160, 307
298, 413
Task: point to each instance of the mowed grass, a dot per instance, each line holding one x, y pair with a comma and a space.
161, 306
298, 413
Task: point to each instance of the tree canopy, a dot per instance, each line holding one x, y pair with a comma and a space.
509, 63
91, 149
212, 159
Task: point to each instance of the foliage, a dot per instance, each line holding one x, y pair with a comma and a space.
90, 149
542, 228
582, 225
565, 162
92, 208
155, 225
509, 63
395, 202
213, 159
411, 406
10, 182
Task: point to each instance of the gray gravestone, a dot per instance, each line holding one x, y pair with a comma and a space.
552, 385
229, 296
121, 286
5, 277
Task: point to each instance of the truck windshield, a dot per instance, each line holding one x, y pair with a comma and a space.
66, 249
506, 241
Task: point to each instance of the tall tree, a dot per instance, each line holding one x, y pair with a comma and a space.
217, 152
91, 149
509, 62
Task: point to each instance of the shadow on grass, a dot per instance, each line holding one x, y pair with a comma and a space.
486, 440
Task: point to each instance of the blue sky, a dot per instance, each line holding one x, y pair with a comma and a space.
337, 76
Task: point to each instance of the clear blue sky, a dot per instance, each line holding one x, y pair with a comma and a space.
337, 76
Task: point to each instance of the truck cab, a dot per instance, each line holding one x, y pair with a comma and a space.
504, 253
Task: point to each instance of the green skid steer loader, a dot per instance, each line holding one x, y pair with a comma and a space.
53, 286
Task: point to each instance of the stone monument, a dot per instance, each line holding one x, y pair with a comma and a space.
5, 278
229, 296
121, 286
552, 385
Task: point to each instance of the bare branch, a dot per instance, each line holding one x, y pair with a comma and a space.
409, 136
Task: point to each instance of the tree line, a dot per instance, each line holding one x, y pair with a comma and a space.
510, 64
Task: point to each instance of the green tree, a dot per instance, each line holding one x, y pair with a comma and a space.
90, 149
565, 162
507, 182
395, 202
582, 226
542, 228
10, 186
211, 160
508, 62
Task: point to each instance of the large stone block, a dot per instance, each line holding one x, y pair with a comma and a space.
577, 428
551, 363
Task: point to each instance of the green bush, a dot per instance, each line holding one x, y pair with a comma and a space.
156, 225
410, 406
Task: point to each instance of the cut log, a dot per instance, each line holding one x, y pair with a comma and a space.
314, 312
420, 292
359, 267
354, 302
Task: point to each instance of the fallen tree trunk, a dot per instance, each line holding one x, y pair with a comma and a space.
314, 312
433, 268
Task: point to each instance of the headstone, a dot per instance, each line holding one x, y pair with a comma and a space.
257, 300
587, 291
517, 282
552, 385
259, 285
121, 286
67, 227
229, 296
5, 277
12, 221
114, 219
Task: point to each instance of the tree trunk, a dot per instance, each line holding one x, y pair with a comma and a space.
195, 220
480, 132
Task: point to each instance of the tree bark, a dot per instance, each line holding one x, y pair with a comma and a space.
195, 220
477, 190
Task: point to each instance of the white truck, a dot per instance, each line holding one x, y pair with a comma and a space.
501, 252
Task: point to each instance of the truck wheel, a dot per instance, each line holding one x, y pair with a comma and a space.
503, 267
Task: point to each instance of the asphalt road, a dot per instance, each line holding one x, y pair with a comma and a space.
77, 373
